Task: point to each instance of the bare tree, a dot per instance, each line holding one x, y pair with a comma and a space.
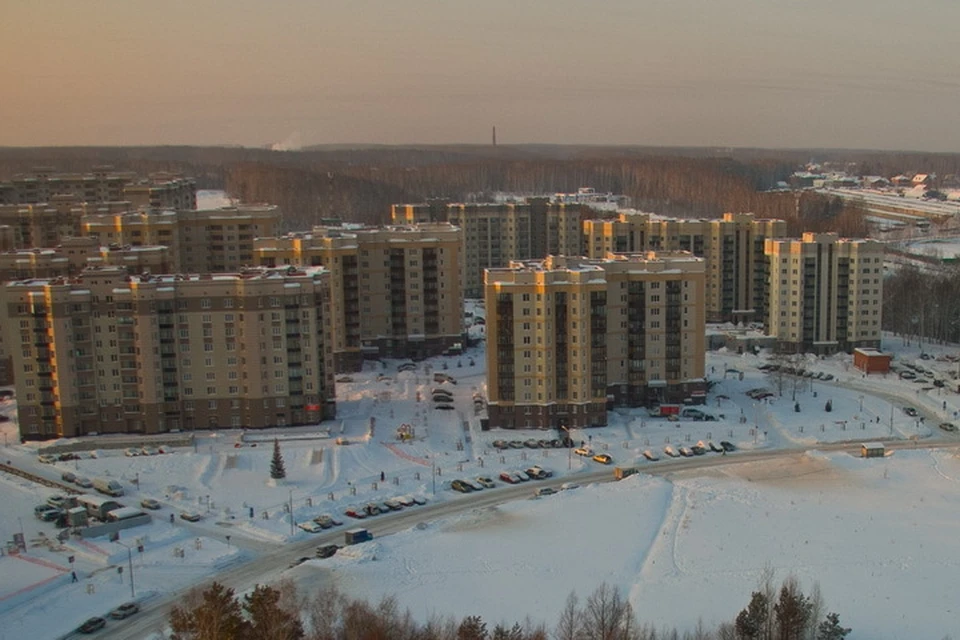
571, 620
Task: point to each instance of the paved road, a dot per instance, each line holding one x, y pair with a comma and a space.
268, 567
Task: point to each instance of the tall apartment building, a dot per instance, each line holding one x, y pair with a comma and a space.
110, 353
102, 184
47, 224
732, 246
565, 336
76, 254
200, 241
825, 293
395, 290
495, 234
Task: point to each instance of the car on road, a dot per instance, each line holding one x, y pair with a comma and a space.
507, 477
92, 625
191, 516
68, 476
948, 426
602, 458
650, 455
486, 482
569, 486
910, 411
586, 452
310, 526
150, 503
544, 491
125, 611
46, 458
327, 551
727, 446
355, 512
85, 483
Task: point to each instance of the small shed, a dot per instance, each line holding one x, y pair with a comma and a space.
871, 360
872, 450
77, 517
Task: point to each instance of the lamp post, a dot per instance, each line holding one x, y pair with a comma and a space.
291, 513
130, 564
861, 403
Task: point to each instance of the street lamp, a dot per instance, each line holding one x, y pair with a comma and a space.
130, 564
861, 403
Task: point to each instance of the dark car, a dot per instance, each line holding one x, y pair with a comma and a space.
327, 551
948, 426
125, 611
727, 446
92, 625
461, 486
910, 411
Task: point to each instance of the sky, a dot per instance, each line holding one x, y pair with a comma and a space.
767, 73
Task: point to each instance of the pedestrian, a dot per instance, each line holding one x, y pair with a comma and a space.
382, 476
73, 576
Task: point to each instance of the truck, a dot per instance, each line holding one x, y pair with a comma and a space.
108, 487
624, 472
665, 410
356, 536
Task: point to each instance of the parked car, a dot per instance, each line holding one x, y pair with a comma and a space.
602, 458
727, 446
191, 516
686, 452
715, 447
586, 452
372, 509
393, 504
485, 482
46, 458
326, 521
501, 444
150, 503
419, 500
538, 472
125, 611
516, 444
327, 551
85, 483
406, 501
507, 477
149, 451
910, 411
522, 475
948, 426
132, 452
46, 513
355, 512
310, 526
650, 455
670, 451
57, 501
92, 625
907, 375
445, 407
698, 449
68, 476
461, 486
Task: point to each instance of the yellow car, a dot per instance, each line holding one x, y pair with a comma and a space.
602, 458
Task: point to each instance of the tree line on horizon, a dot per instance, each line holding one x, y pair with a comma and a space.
282, 613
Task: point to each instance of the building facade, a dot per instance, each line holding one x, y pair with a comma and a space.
76, 254
732, 247
825, 293
566, 336
395, 290
101, 185
106, 352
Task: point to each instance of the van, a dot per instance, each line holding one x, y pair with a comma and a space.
108, 487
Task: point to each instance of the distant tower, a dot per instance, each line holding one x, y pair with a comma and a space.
494, 136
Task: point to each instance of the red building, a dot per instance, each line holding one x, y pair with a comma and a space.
871, 360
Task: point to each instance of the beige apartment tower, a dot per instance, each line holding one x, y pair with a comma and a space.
732, 247
101, 185
568, 336
106, 352
825, 293
395, 290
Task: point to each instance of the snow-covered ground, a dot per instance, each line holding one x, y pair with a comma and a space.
877, 534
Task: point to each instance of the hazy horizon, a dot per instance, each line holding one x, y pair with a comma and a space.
728, 73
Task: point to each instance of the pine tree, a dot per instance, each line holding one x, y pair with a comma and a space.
750, 623
472, 628
831, 629
215, 615
268, 620
277, 470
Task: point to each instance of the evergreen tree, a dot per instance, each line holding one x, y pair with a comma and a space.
792, 612
277, 470
472, 628
751, 621
216, 615
831, 629
268, 620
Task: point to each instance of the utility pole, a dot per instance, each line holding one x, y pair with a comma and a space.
433, 469
291, 512
130, 565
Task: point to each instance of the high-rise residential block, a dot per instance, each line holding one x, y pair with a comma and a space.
825, 293
565, 336
102, 184
107, 352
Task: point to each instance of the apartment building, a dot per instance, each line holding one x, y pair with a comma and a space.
825, 293
496, 233
101, 185
106, 352
47, 224
395, 290
74, 255
732, 246
567, 336
200, 241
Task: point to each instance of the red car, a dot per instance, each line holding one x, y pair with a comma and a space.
354, 512
508, 477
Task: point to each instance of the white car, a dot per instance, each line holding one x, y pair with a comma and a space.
132, 452
544, 491
310, 526
650, 455
486, 482
149, 451
569, 486
473, 484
